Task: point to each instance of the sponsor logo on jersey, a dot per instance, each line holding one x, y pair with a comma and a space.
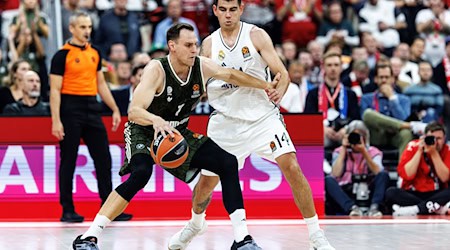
197, 136
177, 123
195, 91
273, 146
229, 86
245, 52
169, 94
221, 55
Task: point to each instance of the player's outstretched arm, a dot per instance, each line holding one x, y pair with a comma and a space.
151, 83
213, 70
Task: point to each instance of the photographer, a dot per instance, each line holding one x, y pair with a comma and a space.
425, 172
357, 160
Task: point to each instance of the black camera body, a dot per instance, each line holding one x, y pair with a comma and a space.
430, 140
354, 138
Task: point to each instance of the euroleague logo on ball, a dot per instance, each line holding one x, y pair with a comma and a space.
169, 152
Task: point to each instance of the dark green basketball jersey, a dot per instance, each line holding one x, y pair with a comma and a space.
177, 100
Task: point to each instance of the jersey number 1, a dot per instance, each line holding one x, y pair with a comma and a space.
179, 109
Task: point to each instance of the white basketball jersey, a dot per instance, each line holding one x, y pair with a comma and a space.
233, 101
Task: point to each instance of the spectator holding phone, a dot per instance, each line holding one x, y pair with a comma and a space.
425, 172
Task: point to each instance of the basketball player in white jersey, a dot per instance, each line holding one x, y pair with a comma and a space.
247, 115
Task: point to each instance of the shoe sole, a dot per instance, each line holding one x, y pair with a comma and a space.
71, 221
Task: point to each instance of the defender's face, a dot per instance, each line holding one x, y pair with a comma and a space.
185, 47
228, 13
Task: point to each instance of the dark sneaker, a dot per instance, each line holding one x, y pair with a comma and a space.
123, 217
90, 243
71, 217
247, 244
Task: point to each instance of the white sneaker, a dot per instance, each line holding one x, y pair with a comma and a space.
443, 210
418, 128
405, 211
318, 241
182, 238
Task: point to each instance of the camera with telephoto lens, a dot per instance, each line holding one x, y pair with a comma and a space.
430, 140
354, 138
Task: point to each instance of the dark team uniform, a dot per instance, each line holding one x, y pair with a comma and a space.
174, 104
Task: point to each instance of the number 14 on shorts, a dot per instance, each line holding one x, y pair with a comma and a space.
280, 141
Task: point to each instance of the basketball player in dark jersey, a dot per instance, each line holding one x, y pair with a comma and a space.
169, 89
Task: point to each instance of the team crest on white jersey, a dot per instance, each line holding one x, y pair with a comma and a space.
221, 55
195, 91
245, 52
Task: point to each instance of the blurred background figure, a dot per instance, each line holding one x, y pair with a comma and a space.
30, 103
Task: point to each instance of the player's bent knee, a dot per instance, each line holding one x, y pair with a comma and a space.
142, 169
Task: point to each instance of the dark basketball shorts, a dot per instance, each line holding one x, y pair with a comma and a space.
138, 140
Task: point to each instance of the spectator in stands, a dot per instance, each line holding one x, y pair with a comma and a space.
29, 16
384, 112
356, 157
338, 104
400, 84
158, 51
140, 58
358, 79
13, 91
434, 24
69, 7
28, 27
316, 74
30, 103
197, 11
123, 95
295, 97
289, 52
3, 69
358, 54
336, 28
117, 53
416, 50
410, 69
379, 18
299, 19
305, 58
427, 100
76, 79
424, 169
124, 74
441, 76
174, 12
262, 14
371, 45
118, 25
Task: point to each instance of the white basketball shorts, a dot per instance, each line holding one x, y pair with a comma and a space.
266, 137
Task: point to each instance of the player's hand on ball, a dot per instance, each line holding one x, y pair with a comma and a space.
162, 126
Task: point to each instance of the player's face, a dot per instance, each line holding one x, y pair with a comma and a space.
228, 13
81, 29
185, 48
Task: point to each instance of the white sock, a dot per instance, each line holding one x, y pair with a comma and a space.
312, 224
97, 226
239, 223
405, 211
197, 219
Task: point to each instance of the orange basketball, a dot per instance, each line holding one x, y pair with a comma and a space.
169, 152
